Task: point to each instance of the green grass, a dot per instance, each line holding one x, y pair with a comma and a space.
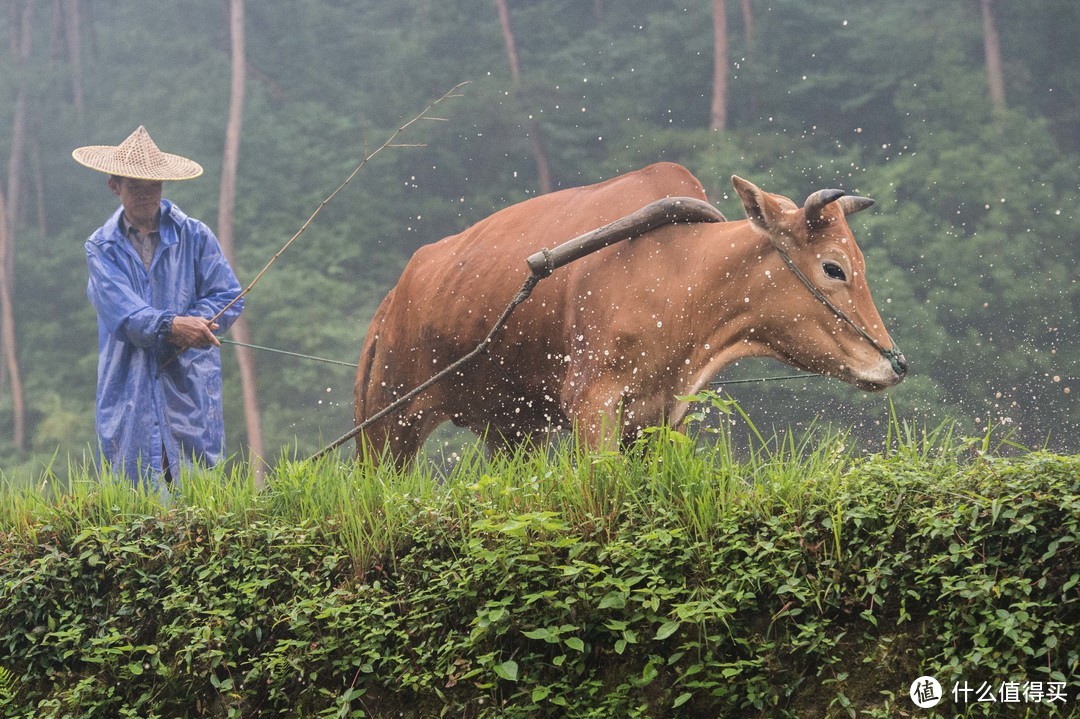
705, 478
774, 576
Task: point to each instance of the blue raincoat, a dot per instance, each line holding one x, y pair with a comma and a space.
145, 403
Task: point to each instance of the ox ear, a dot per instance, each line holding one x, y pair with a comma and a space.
761, 208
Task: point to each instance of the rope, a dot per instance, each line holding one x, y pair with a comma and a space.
452, 92
290, 354
352, 365
892, 355
780, 378
522, 295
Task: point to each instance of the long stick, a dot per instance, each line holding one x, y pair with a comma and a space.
389, 143
452, 92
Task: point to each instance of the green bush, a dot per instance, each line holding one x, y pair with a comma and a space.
674, 582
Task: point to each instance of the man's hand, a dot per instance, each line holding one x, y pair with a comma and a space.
193, 332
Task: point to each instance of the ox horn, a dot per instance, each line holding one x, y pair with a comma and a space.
853, 203
816, 202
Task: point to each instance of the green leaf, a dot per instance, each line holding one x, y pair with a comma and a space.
548, 634
613, 600
575, 643
508, 670
666, 630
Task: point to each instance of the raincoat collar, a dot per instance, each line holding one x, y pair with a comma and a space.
170, 218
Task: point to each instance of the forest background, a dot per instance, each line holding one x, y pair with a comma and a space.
962, 119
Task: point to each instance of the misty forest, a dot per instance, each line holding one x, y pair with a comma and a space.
961, 119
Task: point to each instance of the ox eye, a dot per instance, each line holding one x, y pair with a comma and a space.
834, 271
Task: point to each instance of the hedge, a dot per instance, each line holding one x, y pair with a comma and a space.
648, 586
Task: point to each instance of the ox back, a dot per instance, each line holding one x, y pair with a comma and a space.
605, 345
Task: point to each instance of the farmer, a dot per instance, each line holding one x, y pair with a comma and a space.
158, 279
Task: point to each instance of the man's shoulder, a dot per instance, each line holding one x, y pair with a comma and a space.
184, 224
109, 232
172, 213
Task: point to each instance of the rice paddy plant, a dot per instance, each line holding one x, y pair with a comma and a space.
562, 479
223, 490
86, 499
21, 505
365, 506
907, 439
704, 476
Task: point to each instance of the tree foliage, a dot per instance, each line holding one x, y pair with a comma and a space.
972, 246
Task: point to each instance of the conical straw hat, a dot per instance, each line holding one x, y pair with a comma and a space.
139, 158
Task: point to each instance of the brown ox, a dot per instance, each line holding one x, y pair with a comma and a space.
608, 343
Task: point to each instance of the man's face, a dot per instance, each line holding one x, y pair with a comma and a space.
140, 198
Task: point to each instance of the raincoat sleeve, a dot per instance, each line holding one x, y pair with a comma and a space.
120, 306
216, 284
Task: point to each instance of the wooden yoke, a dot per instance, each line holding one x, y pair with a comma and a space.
662, 212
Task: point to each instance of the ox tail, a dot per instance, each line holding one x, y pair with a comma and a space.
364, 404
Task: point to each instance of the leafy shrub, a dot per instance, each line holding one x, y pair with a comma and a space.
676, 582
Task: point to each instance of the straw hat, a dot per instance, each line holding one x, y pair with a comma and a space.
139, 158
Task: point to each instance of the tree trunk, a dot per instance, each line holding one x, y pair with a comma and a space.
531, 126
20, 51
992, 47
718, 112
37, 174
748, 26
7, 338
72, 28
508, 38
226, 203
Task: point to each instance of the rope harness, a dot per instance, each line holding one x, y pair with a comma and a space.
290, 354
892, 355
352, 365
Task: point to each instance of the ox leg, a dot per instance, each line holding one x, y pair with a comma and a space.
501, 442
523, 423
498, 437
398, 436
606, 420
596, 425
380, 442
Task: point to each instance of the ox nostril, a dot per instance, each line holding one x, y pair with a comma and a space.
900, 364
